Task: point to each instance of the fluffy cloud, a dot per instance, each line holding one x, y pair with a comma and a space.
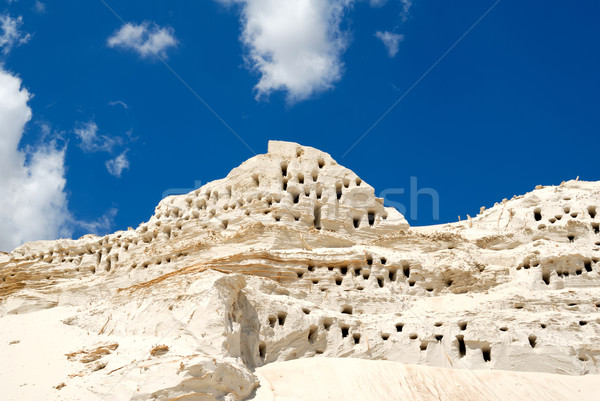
391, 41
118, 164
144, 38
11, 34
32, 182
295, 45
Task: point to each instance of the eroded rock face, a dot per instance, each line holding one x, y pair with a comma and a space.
292, 256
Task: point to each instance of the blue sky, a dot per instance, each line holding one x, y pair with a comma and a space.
110, 119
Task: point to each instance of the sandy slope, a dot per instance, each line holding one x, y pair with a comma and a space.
361, 379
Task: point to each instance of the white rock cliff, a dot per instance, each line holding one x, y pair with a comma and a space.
292, 257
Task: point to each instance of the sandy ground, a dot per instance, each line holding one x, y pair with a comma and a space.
360, 379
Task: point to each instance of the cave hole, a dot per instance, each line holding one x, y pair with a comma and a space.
356, 222
284, 167
338, 190
338, 280
486, 352
385, 336
462, 325
423, 345
369, 260
344, 270
399, 327
321, 163
439, 337
380, 282
592, 211
582, 322
272, 320
406, 269
596, 227
462, 349
345, 330
281, 318
347, 309
371, 216
537, 214
532, 340
313, 331
300, 178
327, 322
356, 337
262, 349
306, 311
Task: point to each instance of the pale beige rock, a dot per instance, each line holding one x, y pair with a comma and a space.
292, 256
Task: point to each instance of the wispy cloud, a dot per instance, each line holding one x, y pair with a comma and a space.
39, 7
118, 164
404, 4
91, 141
391, 41
145, 39
118, 103
10, 33
295, 46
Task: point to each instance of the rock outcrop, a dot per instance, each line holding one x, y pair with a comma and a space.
293, 256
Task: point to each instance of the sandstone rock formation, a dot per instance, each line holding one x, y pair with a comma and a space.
292, 257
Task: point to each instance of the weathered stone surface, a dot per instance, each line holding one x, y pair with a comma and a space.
292, 256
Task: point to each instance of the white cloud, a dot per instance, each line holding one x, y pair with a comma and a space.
118, 103
11, 34
118, 164
144, 38
391, 41
32, 182
406, 4
39, 7
295, 45
91, 141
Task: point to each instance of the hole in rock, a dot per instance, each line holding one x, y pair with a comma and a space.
438, 324
413, 336
343, 270
356, 222
462, 325
312, 334
315, 281
315, 176
439, 337
347, 309
399, 327
284, 167
317, 214
537, 214
300, 274
319, 351
285, 182
429, 289
546, 276
574, 214
592, 211
380, 282
411, 283
357, 271
281, 318
311, 268
571, 238
423, 345
366, 274
346, 182
338, 280
583, 358
356, 337
486, 352
582, 322
272, 320
321, 163
448, 282
552, 220
596, 228
358, 182
532, 340
319, 193
567, 210
300, 178
330, 268
406, 269
383, 261
338, 190
262, 349
345, 330
360, 288
385, 336
392, 275
327, 322
306, 311
371, 216
462, 349
503, 328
